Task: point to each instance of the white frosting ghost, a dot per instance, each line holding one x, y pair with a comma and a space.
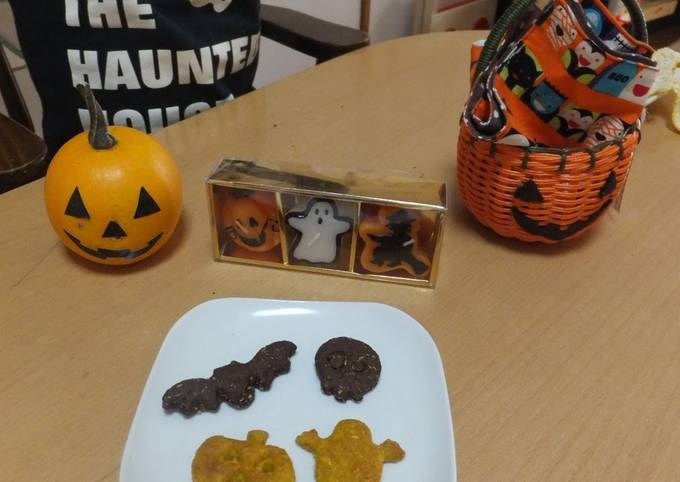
219, 5
320, 228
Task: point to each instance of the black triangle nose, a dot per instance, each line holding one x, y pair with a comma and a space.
113, 230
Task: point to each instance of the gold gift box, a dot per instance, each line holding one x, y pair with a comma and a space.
381, 226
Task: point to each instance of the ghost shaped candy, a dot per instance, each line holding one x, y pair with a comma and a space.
320, 230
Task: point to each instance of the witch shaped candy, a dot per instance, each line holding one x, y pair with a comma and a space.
392, 242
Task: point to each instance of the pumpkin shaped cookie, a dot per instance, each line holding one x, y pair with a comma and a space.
221, 459
349, 454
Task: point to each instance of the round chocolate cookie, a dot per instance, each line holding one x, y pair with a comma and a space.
347, 368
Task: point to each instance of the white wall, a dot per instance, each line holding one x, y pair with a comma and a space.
389, 19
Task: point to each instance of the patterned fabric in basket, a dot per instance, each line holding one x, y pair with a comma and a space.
575, 77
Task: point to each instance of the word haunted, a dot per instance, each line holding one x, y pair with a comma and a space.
157, 69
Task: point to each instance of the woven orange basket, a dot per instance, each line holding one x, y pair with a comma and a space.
540, 194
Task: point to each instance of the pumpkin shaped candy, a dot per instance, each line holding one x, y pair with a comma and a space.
114, 196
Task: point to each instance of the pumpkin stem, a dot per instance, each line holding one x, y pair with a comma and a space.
99, 136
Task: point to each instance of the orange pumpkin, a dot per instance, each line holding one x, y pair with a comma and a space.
113, 196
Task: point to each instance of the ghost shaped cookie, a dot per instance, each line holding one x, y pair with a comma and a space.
320, 231
221, 459
347, 368
349, 454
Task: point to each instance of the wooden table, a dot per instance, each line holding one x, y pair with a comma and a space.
562, 362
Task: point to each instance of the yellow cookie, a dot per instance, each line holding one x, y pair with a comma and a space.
221, 459
349, 454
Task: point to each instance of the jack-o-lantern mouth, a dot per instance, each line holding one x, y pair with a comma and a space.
555, 232
235, 234
103, 253
529, 192
253, 242
250, 242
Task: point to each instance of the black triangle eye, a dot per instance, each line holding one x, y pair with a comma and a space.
76, 207
529, 192
146, 205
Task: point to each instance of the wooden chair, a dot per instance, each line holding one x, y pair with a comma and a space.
310, 35
22, 153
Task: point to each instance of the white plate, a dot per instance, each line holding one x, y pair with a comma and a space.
410, 404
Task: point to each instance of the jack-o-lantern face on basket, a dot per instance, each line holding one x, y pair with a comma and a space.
113, 200
251, 221
528, 201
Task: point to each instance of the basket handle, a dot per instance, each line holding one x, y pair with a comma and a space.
514, 12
